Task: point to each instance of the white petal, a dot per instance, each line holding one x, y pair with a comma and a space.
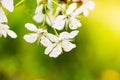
74, 23
73, 34
45, 41
8, 4
4, 33
52, 37
39, 16
38, 1
67, 46
3, 17
64, 35
90, 5
49, 48
31, 27
11, 34
3, 30
59, 22
85, 12
31, 38
49, 4
78, 11
4, 26
39, 9
50, 19
71, 8
56, 51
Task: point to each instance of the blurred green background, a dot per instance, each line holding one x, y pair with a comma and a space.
97, 56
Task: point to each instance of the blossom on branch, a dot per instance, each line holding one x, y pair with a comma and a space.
38, 34
4, 28
59, 16
63, 41
40, 13
67, 19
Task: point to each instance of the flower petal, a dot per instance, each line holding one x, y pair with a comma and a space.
38, 1
45, 41
49, 48
49, 4
39, 16
64, 35
90, 5
4, 33
3, 17
11, 34
85, 12
52, 37
50, 18
4, 26
74, 24
8, 4
67, 46
56, 51
71, 8
73, 34
59, 22
31, 27
31, 38
3, 30
79, 10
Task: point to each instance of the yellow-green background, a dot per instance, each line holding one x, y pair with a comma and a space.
97, 56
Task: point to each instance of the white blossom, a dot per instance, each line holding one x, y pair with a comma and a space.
38, 34
86, 5
4, 28
69, 18
39, 15
63, 41
4, 31
50, 15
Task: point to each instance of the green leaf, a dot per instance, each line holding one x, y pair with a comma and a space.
30, 6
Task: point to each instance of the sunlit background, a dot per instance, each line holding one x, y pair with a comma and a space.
97, 56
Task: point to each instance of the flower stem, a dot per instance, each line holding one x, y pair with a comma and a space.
52, 24
50, 21
19, 3
43, 23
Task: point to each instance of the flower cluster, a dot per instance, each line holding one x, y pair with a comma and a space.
62, 17
4, 28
